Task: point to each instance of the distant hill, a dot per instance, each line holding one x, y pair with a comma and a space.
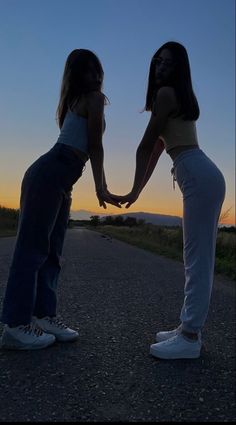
158, 219
82, 214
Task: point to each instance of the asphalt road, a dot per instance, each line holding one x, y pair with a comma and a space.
119, 296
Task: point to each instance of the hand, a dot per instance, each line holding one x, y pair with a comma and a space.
130, 198
103, 196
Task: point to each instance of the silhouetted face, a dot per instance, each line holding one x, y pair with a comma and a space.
93, 75
164, 66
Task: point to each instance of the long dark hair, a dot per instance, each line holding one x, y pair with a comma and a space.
180, 80
74, 83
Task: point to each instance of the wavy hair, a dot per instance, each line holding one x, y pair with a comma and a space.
74, 83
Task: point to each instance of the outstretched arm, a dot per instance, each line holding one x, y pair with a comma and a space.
155, 155
152, 157
151, 145
95, 107
104, 180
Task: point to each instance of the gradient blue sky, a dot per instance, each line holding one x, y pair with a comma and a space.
35, 40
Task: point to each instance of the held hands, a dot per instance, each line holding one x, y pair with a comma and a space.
104, 196
128, 199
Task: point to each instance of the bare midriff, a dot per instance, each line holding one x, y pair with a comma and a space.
174, 152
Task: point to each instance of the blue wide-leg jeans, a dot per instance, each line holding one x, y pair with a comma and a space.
44, 212
203, 187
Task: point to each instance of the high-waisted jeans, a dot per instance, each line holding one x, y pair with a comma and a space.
44, 212
203, 188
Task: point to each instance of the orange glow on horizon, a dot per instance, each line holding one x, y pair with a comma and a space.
163, 210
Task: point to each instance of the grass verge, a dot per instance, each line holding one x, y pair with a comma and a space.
167, 241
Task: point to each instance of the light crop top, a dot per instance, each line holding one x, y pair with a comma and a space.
178, 132
74, 132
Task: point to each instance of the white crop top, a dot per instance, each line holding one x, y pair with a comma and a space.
178, 132
74, 132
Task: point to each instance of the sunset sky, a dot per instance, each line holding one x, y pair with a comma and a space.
36, 37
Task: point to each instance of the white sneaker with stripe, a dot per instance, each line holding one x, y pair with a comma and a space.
25, 337
54, 326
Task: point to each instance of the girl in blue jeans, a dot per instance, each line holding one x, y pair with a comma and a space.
30, 303
174, 111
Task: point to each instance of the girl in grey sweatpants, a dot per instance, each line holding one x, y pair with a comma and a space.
203, 188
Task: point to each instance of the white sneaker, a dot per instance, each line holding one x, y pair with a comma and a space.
176, 347
25, 337
52, 325
163, 336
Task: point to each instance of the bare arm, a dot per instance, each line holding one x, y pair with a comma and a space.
146, 151
150, 147
155, 155
104, 180
95, 107
95, 132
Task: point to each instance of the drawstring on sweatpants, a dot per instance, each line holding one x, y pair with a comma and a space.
173, 174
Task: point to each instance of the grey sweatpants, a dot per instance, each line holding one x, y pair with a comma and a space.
203, 188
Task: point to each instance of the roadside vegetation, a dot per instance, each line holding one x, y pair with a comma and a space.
162, 240
8, 221
168, 240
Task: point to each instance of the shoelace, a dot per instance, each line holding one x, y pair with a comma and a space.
57, 322
32, 328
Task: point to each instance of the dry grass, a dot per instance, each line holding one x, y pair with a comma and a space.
167, 241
